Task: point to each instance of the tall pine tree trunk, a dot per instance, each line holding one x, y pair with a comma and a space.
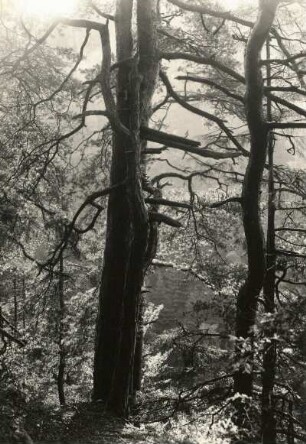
269, 356
61, 334
15, 293
249, 292
147, 20
119, 236
127, 231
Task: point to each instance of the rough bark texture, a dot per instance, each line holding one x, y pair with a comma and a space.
62, 354
15, 304
270, 355
147, 18
249, 292
127, 228
119, 229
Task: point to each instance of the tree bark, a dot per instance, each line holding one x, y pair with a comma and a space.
147, 18
119, 228
61, 335
269, 354
127, 228
15, 290
248, 295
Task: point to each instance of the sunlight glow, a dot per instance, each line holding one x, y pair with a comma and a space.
231, 5
47, 8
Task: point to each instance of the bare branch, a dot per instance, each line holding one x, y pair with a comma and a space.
286, 61
290, 253
209, 60
182, 144
73, 69
12, 338
82, 23
159, 217
286, 89
72, 225
202, 113
201, 9
226, 201
101, 13
298, 230
91, 113
168, 203
286, 103
36, 45
165, 138
215, 85
285, 125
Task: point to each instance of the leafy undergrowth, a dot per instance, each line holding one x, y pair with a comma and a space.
87, 424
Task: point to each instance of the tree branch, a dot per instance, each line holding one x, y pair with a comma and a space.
226, 201
201, 9
165, 138
11, 337
159, 217
101, 13
202, 113
208, 60
168, 203
213, 84
285, 125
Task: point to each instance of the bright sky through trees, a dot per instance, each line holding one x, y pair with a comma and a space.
47, 8
234, 4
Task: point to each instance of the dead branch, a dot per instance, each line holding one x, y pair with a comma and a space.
226, 201
163, 218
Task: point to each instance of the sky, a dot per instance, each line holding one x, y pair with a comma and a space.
179, 121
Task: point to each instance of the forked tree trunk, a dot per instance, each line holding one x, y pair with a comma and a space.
127, 232
249, 292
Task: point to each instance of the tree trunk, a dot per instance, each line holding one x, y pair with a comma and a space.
15, 290
127, 233
61, 334
150, 254
23, 303
249, 292
119, 234
147, 18
269, 354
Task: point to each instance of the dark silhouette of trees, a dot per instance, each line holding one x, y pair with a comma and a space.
270, 351
128, 226
247, 298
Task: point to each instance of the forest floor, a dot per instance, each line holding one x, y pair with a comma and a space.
83, 424
87, 424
